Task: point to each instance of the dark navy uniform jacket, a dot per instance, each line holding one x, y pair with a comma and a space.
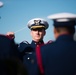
59, 57
8, 48
29, 57
8, 55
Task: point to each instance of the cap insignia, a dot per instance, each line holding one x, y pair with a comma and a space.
37, 22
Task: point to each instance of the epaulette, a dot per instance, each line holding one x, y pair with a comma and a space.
23, 45
26, 42
50, 41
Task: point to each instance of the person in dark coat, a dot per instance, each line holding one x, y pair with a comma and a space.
59, 57
10, 63
30, 57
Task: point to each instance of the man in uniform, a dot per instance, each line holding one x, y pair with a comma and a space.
59, 57
31, 52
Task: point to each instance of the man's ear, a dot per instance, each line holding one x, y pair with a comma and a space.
56, 34
31, 32
44, 33
55, 31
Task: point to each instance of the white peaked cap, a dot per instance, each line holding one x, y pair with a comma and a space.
63, 19
62, 16
39, 24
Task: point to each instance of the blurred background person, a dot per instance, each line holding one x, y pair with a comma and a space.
10, 64
59, 57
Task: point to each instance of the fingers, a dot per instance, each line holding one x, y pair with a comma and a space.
11, 34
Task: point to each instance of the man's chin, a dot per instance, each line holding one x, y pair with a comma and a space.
37, 40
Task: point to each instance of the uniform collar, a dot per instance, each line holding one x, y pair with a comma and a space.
65, 37
40, 42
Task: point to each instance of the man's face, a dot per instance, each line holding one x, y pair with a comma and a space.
37, 34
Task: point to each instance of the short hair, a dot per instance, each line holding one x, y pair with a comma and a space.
71, 30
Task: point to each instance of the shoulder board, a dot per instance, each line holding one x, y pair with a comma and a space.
50, 41
26, 42
23, 45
